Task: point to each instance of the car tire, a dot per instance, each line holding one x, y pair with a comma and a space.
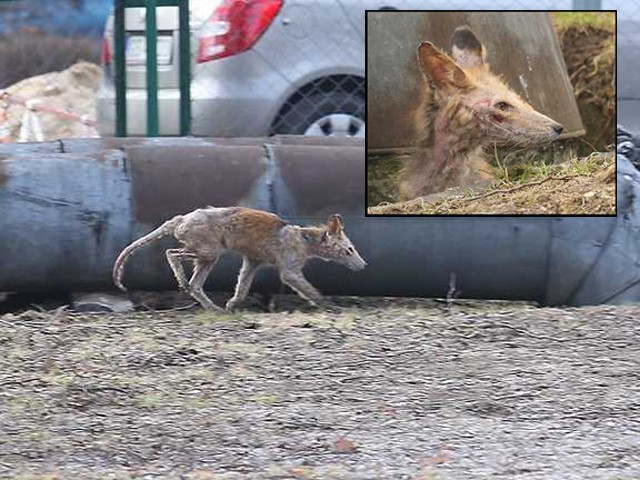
335, 113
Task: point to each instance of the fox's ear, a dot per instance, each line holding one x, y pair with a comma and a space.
467, 51
335, 224
440, 69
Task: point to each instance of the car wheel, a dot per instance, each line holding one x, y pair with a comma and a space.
333, 114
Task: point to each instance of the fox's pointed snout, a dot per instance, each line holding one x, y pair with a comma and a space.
558, 128
357, 263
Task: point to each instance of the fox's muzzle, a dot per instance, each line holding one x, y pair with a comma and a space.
356, 263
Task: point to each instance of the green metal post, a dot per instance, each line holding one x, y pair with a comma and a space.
152, 70
151, 34
120, 70
159, 3
185, 69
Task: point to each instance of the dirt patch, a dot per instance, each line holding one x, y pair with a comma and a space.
73, 89
580, 187
588, 43
384, 388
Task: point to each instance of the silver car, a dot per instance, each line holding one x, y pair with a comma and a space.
259, 67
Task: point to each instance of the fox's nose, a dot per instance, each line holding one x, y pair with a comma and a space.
558, 128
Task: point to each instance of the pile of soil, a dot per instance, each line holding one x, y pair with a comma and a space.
381, 388
589, 51
581, 187
73, 89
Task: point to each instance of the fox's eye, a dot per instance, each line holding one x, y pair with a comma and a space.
350, 251
502, 106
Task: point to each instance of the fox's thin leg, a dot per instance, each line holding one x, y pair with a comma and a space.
245, 277
295, 279
201, 271
175, 257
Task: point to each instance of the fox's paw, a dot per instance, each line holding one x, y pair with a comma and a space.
231, 305
322, 304
329, 307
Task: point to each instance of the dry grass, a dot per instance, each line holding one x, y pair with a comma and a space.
24, 55
579, 187
380, 388
566, 20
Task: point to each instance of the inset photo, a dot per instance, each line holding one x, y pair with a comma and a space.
491, 113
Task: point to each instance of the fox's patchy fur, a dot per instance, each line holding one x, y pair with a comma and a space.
260, 237
465, 108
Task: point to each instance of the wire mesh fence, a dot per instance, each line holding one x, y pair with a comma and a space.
262, 68
275, 66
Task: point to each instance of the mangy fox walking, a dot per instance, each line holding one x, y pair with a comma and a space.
465, 109
260, 237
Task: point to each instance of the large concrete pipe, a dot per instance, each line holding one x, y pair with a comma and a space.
65, 217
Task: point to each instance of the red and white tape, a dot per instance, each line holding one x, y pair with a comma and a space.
30, 124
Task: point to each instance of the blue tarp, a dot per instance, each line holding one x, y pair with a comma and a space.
63, 17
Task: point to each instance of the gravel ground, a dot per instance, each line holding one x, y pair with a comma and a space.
384, 389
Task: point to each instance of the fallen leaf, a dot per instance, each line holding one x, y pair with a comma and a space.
441, 456
344, 445
301, 472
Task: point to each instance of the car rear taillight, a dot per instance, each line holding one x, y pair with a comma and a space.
235, 26
105, 54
